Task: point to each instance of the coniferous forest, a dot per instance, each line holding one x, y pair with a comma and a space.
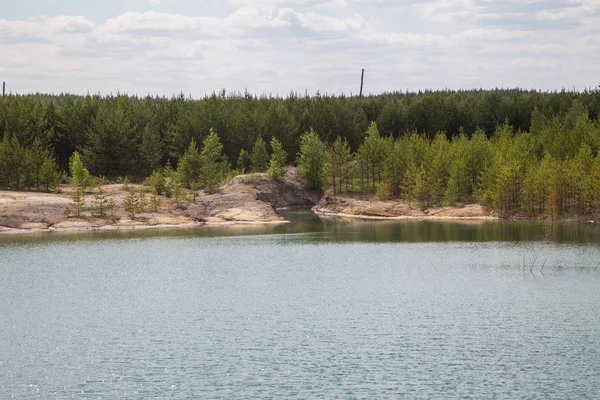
520, 152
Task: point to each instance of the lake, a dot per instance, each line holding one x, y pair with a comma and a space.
311, 309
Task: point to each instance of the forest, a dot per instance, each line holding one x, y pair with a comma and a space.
521, 152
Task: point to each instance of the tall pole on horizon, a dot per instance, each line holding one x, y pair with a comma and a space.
362, 81
3, 89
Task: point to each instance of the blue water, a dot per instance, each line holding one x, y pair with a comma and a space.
298, 315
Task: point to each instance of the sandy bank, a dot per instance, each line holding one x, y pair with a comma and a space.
247, 199
366, 207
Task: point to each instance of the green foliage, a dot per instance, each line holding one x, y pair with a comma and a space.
110, 138
439, 168
80, 176
337, 164
131, 203
244, 162
77, 201
155, 202
111, 206
371, 158
30, 167
126, 187
150, 150
194, 186
260, 156
190, 165
128, 135
278, 160
99, 203
49, 177
171, 180
157, 182
517, 151
143, 199
175, 190
311, 159
213, 167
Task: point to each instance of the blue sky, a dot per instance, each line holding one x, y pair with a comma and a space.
278, 46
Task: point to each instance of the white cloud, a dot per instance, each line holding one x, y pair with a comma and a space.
395, 38
278, 3
237, 23
41, 27
275, 46
572, 10
494, 34
535, 63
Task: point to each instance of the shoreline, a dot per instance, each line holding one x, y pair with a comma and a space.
406, 217
130, 228
5, 231
244, 200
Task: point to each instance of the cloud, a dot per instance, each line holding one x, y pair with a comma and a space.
44, 26
395, 38
151, 23
279, 3
275, 46
480, 34
572, 10
237, 23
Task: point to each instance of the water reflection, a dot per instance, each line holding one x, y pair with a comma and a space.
323, 229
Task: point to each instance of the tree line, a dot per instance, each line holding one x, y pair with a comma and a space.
552, 171
517, 151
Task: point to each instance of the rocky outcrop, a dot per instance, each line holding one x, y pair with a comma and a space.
369, 208
253, 197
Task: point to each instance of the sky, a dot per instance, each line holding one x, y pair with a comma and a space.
166, 47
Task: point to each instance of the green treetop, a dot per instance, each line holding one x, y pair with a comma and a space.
311, 159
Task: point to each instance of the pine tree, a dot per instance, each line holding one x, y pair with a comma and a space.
12, 162
458, 188
77, 202
155, 202
260, 156
190, 165
99, 203
151, 150
394, 167
278, 159
111, 206
439, 168
371, 153
80, 176
213, 167
35, 156
243, 161
131, 203
194, 186
157, 182
49, 175
337, 162
5, 154
311, 159
143, 199
176, 190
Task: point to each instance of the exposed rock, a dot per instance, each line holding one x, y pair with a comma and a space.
251, 198
367, 207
